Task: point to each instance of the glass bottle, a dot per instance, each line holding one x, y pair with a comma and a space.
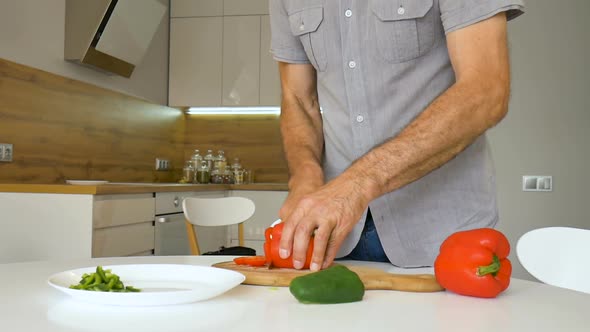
203, 174
209, 158
188, 172
228, 176
197, 159
248, 175
237, 171
216, 176
220, 160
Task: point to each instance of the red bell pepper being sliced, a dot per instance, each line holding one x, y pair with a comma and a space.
273, 238
474, 263
251, 260
271, 257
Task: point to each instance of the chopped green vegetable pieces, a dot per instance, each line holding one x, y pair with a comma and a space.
103, 281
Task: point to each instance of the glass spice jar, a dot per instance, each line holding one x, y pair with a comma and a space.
216, 176
203, 174
228, 176
188, 172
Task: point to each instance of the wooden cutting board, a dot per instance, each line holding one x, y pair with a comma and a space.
372, 278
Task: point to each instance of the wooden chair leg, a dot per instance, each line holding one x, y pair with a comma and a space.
241, 234
192, 238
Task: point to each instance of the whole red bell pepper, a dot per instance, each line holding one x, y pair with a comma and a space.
474, 263
272, 236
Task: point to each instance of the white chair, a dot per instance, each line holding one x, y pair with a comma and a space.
223, 211
558, 256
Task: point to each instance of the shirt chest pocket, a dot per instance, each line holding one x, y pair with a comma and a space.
307, 25
404, 28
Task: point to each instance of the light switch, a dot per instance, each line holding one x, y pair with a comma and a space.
537, 183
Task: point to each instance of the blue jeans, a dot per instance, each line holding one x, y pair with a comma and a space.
369, 246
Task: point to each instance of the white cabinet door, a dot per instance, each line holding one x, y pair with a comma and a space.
222, 61
195, 61
195, 8
245, 7
270, 82
122, 224
241, 60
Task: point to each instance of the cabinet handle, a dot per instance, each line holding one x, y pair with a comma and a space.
176, 202
162, 219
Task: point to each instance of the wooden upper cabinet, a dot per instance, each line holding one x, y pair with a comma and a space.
222, 60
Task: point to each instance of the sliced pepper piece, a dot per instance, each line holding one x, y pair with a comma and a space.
251, 260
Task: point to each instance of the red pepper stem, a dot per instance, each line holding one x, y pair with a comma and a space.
490, 269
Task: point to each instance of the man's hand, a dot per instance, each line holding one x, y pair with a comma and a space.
294, 197
331, 212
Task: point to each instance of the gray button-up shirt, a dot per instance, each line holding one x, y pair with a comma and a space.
379, 64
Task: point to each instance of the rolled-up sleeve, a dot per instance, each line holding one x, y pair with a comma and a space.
284, 46
457, 14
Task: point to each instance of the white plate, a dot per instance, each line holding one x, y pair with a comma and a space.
160, 284
86, 182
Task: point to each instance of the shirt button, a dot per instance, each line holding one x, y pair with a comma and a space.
401, 10
301, 27
351, 64
359, 118
348, 13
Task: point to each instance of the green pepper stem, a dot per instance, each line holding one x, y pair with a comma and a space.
490, 269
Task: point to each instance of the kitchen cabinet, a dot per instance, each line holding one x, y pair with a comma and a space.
222, 60
245, 7
241, 61
123, 225
77, 222
267, 205
196, 8
43, 226
195, 61
200, 8
270, 84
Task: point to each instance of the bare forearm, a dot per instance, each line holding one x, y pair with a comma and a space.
301, 126
476, 102
445, 128
302, 142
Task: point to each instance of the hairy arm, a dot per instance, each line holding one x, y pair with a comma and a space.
301, 129
477, 101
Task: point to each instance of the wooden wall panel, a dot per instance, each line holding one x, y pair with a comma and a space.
65, 129
255, 139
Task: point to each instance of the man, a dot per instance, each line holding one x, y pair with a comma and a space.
397, 158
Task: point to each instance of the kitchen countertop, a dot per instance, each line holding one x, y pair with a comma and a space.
134, 188
28, 303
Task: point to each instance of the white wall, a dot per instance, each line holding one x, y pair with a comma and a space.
32, 33
547, 130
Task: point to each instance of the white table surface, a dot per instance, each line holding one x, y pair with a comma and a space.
28, 303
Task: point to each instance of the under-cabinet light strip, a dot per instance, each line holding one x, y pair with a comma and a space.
235, 110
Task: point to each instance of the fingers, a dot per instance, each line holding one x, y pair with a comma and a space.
302, 237
286, 240
331, 251
321, 240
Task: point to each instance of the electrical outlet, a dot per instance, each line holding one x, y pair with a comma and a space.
6, 152
162, 164
537, 183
